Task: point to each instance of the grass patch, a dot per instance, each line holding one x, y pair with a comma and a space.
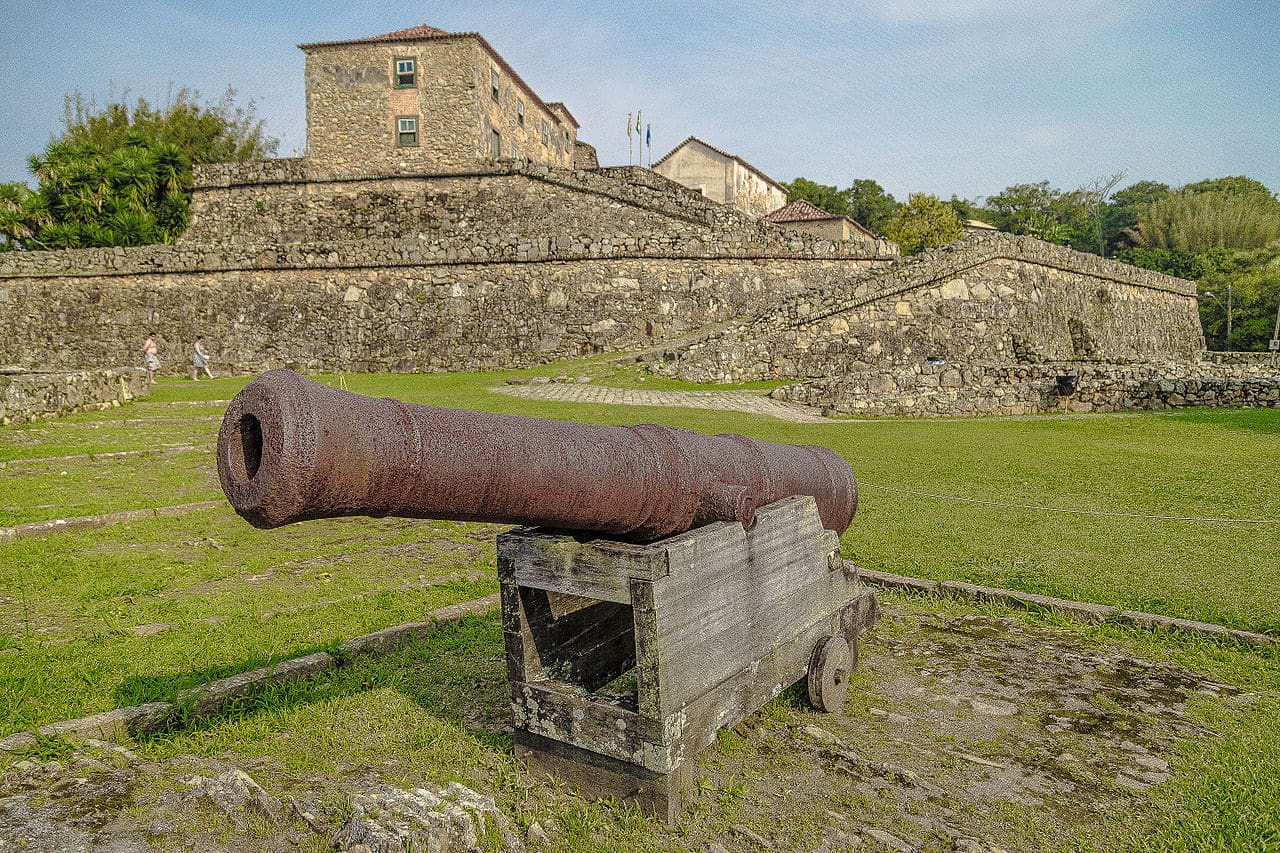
132, 613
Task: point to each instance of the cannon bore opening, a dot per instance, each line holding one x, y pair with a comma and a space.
245, 463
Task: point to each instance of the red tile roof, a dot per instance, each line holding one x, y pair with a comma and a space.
422, 32
799, 211
804, 211
735, 157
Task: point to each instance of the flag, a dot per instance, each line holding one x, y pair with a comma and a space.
628, 125
648, 130
637, 122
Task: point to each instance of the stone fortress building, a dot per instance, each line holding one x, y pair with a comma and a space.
421, 99
445, 217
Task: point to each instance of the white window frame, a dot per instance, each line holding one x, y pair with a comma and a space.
407, 124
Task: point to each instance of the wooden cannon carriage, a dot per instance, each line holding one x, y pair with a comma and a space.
625, 660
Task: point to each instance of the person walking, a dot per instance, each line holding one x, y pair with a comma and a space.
151, 357
199, 360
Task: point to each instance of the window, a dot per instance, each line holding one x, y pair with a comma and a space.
407, 131
495, 145
406, 76
515, 151
493, 82
520, 113
546, 138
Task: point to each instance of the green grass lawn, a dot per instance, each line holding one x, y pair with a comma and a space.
99, 619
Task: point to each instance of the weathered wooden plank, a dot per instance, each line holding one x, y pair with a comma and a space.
723, 551
660, 794
559, 712
648, 687
713, 622
688, 667
593, 568
733, 700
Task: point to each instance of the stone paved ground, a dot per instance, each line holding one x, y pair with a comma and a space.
755, 403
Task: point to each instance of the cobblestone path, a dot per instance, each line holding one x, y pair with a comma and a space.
731, 401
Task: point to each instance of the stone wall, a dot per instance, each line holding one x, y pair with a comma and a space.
584, 156
27, 396
510, 266
327, 315
931, 390
990, 299
1257, 359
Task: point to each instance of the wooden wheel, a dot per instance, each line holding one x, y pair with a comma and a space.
829, 674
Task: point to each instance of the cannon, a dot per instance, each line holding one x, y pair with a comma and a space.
663, 584
292, 449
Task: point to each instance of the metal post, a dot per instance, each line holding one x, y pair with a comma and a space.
1229, 295
1275, 340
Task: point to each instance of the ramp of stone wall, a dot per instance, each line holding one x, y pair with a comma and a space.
808, 334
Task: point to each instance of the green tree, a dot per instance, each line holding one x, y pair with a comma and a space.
828, 198
205, 132
1203, 220
121, 175
870, 206
1041, 211
1238, 185
1121, 213
922, 223
1254, 281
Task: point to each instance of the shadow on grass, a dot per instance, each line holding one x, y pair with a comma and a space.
457, 674
141, 689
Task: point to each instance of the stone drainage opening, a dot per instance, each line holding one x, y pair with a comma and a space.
582, 642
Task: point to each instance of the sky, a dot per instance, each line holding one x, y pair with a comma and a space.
951, 97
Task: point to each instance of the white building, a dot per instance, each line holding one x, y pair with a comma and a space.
722, 177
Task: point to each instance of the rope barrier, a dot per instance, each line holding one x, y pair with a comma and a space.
1072, 511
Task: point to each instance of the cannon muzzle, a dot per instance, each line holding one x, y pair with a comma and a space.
291, 449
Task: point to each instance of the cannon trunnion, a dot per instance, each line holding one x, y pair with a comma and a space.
624, 660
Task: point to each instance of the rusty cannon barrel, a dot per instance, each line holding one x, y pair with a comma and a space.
292, 449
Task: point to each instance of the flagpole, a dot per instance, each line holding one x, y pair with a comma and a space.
630, 154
